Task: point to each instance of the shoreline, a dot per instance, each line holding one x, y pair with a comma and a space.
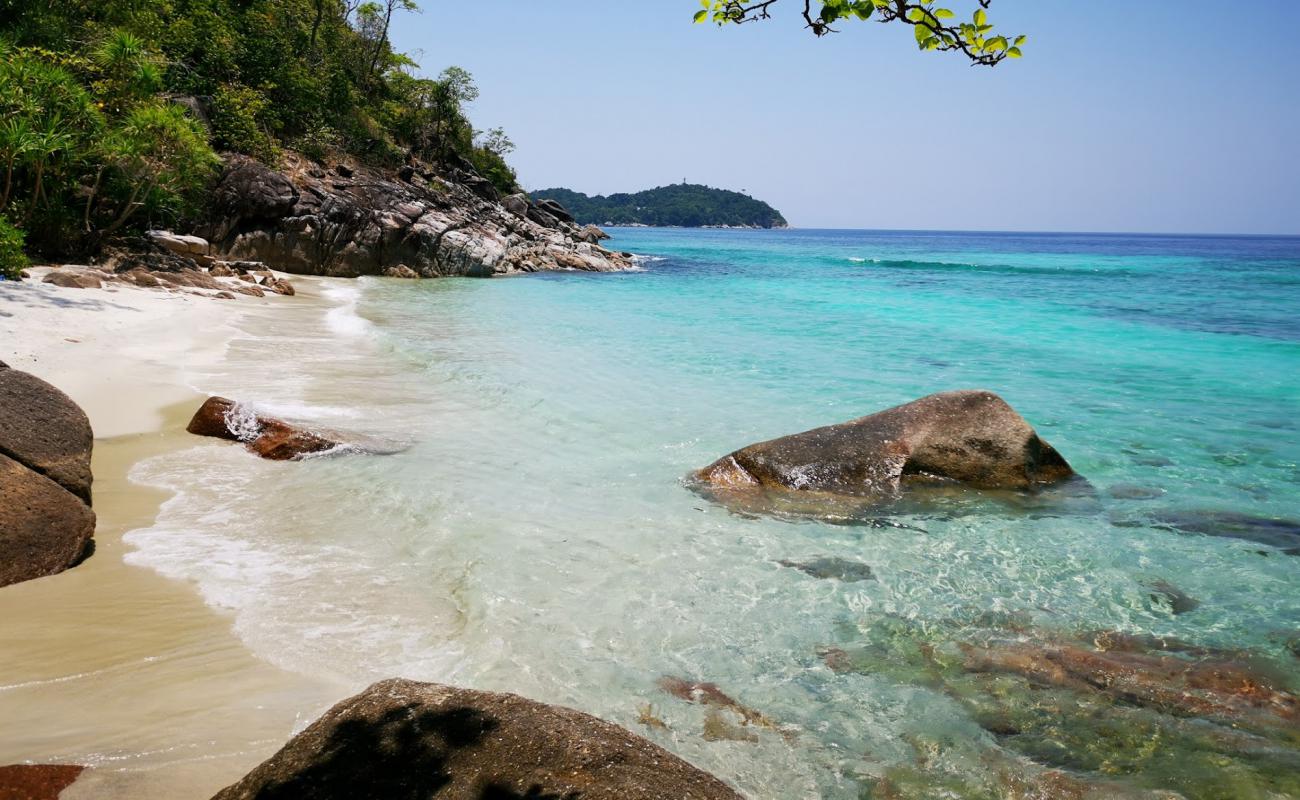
183, 706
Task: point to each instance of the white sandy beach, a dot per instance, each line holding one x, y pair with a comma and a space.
112, 665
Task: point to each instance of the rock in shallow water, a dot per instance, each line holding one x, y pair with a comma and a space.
269, 438
969, 438
841, 569
37, 781
1283, 534
422, 741
1149, 714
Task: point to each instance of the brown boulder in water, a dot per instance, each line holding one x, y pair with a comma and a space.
37, 781
972, 438
269, 438
421, 741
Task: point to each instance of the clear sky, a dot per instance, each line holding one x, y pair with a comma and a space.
1123, 116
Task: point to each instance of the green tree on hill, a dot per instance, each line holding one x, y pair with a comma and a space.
111, 111
682, 205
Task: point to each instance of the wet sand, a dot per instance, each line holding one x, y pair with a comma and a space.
110, 665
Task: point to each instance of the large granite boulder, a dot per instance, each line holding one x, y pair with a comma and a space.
307, 221
968, 438
250, 190
180, 244
270, 438
556, 210
41, 428
420, 741
46, 525
44, 529
75, 278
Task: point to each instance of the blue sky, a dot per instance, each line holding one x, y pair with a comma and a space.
1123, 116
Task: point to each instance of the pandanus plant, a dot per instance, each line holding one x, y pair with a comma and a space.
16, 141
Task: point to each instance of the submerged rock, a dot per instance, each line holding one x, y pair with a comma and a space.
967, 438
422, 741
269, 438
1130, 491
1204, 723
1283, 534
37, 781
840, 569
1179, 602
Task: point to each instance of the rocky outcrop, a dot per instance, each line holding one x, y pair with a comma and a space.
75, 278
401, 271
46, 524
181, 244
269, 438
37, 781
305, 220
423, 741
970, 438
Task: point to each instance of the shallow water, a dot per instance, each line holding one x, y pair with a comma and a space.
536, 536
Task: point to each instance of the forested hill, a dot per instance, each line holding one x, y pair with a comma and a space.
685, 205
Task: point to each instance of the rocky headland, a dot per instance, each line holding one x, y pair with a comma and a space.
350, 219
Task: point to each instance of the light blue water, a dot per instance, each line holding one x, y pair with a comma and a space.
537, 538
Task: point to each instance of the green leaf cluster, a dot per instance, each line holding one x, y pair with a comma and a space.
12, 258
933, 26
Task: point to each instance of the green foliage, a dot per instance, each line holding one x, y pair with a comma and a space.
931, 25
12, 258
91, 142
682, 205
238, 116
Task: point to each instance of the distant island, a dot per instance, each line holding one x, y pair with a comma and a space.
682, 205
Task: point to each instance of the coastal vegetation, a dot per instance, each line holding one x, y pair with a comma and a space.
934, 27
684, 205
112, 113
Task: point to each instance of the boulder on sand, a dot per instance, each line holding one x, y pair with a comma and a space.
41, 428
44, 528
269, 438
970, 438
422, 741
46, 523
179, 243
75, 278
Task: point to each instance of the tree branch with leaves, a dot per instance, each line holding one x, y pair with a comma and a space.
934, 27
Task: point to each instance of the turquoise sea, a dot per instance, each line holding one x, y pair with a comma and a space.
537, 537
